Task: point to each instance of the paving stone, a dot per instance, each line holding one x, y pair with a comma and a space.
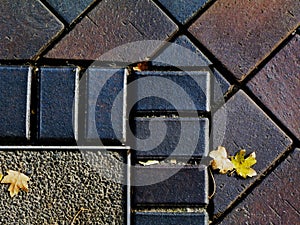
57, 95
163, 218
69, 9
275, 201
172, 91
114, 23
193, 131
26, 27
247, 127
13, 101
105, 111
277, 85
188, 186
242, 33
183, 10
62, 182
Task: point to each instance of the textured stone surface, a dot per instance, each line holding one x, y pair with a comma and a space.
275, 201
277, 85
183, 10
247, 127
188, 186
61, 182
174, 90
111, 24
13, 100
26, 27
242, 33
57, 91
105, 93
194, 140
69, 9
162, 218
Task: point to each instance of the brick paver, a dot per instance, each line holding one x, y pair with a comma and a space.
164, 218
242, 33
275, 201
14, 113
111, 24
57, 98
26, 28
248, 127
183, 10
196, 146
277, 85
188, 186
69, 9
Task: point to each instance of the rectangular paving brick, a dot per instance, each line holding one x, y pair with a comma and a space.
241, 124
26, 27
183, 10
57, 95
105, 104
275, 201
189, 186
15, 82
194, 134
243, 33
171, 91
277, 85
164, 218
114, 23
61, 182
69, 9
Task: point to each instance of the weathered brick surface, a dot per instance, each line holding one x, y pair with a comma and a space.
69, 9
275, 201
111, 24
62, 182
185, 128
26, 27
189, 186
170, 91
248, 127
13, 100
105, 100
183, 10
277, 85
163, 218
242, 33
57, 92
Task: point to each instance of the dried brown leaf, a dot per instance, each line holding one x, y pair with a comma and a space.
17, 181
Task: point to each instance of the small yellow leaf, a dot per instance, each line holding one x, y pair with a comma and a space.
242, 166
17, 181
149, 162
220, 160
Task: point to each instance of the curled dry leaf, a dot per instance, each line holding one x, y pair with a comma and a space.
17, 181
220, 160
142, 66
242, 166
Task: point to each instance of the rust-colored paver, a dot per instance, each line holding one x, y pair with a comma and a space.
242, 33
277, 85
111, 24
275, 201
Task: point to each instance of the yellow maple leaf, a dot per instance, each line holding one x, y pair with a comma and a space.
17, 181
220, 160
242, 166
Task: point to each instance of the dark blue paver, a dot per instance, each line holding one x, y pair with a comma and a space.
189, 186
69, 9
165, 218
13, 101
183, 10
172, 91
105, 101
57, 92
194, 134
